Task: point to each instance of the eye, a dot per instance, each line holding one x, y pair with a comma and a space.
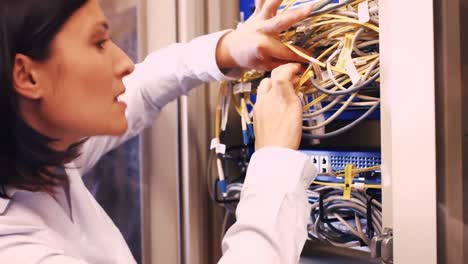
100, 44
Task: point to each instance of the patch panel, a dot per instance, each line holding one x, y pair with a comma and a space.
337, 160
316, 161
324, 166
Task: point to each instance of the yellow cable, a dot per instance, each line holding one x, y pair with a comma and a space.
288, 3
351, 20
342, 185
236, 105
342, 30
305, 76
328, 50
323, 96
218, 112
311, 59
248, 101
368, 169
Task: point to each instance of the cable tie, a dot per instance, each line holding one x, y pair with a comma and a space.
359, 62
359, 186
217, 146
363, 12
221, 149
345, 52
214, 143
352, 71
301, 29
242, 88
348, 182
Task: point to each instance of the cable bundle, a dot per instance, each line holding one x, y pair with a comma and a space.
341, 42
342, 222
344, 67
346, 210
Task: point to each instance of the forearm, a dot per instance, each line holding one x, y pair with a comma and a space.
272, 215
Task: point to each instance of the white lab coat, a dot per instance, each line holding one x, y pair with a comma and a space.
73, 228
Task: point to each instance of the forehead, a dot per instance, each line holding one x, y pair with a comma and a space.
86, 19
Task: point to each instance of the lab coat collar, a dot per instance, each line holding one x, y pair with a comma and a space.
10, 191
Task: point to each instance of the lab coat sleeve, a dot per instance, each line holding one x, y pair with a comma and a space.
162, 77
31, 252
273, 211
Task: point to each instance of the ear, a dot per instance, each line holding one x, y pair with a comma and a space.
25, 77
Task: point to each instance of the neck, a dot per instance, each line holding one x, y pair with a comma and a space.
35, 120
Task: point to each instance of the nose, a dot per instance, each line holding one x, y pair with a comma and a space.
123, 65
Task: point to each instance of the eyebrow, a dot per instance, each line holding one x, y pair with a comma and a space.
99, 28
101, 25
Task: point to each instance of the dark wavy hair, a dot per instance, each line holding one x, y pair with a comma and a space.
27, 161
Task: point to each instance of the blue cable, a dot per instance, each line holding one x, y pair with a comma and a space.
222, 187
245, 137
250, 129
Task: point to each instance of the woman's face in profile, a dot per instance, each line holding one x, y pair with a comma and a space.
80, 82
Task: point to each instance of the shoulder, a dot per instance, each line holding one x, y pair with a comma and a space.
23, 211
23, 223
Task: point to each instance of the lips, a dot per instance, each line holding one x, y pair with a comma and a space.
118, 98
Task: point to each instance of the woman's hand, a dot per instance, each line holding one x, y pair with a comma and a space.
278, 110
255, 44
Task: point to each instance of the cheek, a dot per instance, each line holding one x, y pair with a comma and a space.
83, 101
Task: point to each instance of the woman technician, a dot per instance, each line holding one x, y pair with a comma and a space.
68, 95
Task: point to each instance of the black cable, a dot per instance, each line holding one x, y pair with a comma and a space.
370, 226
325, 228
222, 200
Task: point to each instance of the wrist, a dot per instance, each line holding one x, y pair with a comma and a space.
224, 58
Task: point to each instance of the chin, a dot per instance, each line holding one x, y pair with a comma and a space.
118, 128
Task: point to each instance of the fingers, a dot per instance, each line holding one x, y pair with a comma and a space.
259, 4
283, 74
283, 77
270, 7
270, 64
284, 21
264, 87
277, 50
